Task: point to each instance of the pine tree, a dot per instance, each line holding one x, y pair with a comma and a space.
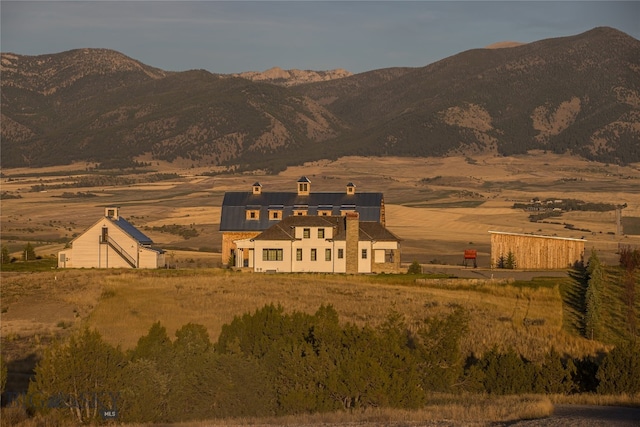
415, 268
510, 262
6, 258
593, 298
28, 253
619, 372
82, 376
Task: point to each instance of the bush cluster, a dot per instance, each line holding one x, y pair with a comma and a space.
273, 363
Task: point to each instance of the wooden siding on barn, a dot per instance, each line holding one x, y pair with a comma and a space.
536, 252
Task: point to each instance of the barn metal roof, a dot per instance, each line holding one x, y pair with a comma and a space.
132, 231
235, 205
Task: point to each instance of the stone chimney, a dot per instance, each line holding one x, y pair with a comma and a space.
352, 238
112, 213
304, 186
257, 188
351, 188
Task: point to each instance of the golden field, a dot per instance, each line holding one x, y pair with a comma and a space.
437, 206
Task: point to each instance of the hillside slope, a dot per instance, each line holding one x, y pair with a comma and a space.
578, 95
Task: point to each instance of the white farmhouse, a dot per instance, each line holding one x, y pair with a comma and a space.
324, 244
112, 242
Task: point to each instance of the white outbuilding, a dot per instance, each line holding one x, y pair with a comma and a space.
112, 242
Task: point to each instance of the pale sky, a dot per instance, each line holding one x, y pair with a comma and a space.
235, 36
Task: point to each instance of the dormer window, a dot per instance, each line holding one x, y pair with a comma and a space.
275, 212
345, 209
300, 210
351, 188
325, 210
304, 186
252, 214
257, 188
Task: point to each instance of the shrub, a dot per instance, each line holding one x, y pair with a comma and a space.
415, 268
619, 371
81, 376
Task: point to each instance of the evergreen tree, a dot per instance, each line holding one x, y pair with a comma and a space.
3, 373
28, 253
6, 258
440, 358
415, 268
155, 346
144, 393
593, 298
507, 373
555, 376
81, 375
619, 371
510, 262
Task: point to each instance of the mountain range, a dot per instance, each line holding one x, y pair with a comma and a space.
578, 95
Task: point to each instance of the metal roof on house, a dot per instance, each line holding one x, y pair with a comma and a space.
235, 205
132, 231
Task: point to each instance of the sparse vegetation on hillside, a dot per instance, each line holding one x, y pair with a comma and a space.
574, 95
180, 230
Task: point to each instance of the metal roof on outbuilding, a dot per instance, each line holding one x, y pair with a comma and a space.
132, 231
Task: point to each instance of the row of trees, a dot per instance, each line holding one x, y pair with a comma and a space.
273, 363
28, 254
595, 281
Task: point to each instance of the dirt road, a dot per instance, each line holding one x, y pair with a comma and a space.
585, 416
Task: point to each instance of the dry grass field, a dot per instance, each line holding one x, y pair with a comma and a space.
122, 305
438, 207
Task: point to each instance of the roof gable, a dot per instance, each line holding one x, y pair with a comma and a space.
285, 229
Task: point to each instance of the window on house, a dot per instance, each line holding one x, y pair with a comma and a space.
340, 253
327, 254
274, 215
298, 254
306, 233
364, 254
253, 214
272, 254
314, 254
320, 233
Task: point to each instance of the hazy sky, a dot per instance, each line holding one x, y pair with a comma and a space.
235, 36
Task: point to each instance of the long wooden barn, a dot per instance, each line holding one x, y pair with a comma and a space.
536, 252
